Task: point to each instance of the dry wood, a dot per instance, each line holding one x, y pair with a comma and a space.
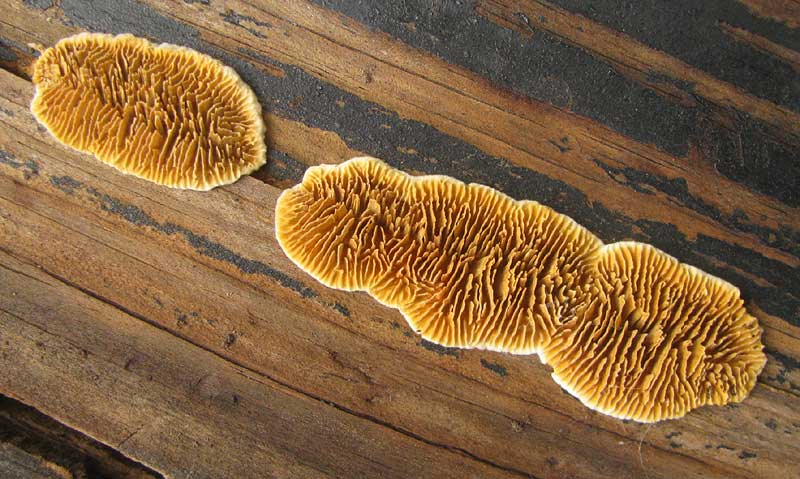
170, 326
416, 85
247, 353
16, 463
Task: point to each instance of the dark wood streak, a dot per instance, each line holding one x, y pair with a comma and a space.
67, 451
680, 109
786, 55
784, 11
700, 43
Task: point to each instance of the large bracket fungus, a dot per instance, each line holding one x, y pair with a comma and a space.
164, 113
628, 329
467, 265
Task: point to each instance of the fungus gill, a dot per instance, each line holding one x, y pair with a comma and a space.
657, 338
164, 113
465, 264
628, 329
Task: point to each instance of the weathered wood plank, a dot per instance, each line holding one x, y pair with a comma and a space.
178, 408
206, 268
619, 188
541, 65
701, 43
81, 456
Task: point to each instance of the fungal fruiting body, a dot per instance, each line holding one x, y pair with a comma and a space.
468, 266
627, 328
164, 113
656, 339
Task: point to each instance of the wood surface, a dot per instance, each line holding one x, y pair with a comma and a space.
62, 450
169, 326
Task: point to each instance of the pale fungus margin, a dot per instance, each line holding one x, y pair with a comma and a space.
629, 330
164, 113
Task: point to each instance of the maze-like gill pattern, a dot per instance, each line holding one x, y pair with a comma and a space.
164, 113
629, 330
657, 339
466, 265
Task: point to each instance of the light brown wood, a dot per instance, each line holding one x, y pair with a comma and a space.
170, 326
193, 291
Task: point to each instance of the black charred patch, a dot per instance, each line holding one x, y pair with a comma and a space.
673, 443
40, 4
10, 160
745, 455
545, 68
701, 43
29, 168
241, 21
7, 53
201, 244
786, 365
281, 167
783, 238
494, 367
662, 79
341, 310
440, 350
67, 184
541, 67
771, 423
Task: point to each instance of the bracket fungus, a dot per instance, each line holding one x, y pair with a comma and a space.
466, 265
627, 328
656, 339
164, 113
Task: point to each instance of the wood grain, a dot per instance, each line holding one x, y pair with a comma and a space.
253, 327
170, 326
16, 463
616, 186
81, 456
786, 11
648, 65
791, 57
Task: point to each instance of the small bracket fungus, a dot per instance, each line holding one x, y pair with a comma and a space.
164, 113
657, 338
628, 329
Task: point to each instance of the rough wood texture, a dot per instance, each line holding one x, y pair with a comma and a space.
170, 326
79, 455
